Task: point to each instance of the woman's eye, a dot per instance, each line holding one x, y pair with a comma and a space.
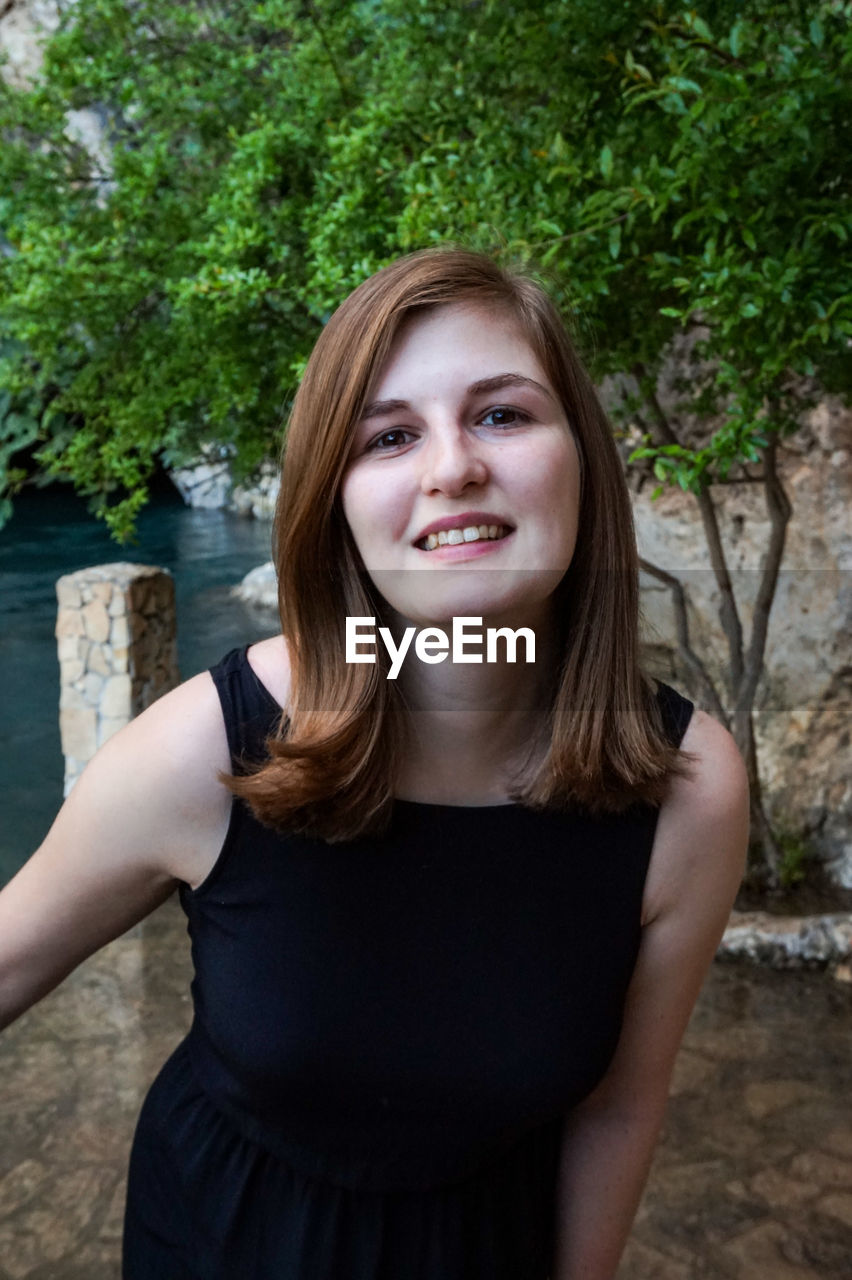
392, 440
503, 416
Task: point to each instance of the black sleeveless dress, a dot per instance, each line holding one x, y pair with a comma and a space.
387, 1035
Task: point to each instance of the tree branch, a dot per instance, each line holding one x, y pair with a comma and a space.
722, 54
583, 231
745, 478
648, 391
690, 658
332, 61
728, 612
780, 510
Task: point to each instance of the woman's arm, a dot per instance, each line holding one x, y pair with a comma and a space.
695, 870
147, 811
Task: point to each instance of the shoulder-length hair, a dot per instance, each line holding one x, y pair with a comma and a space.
330, 770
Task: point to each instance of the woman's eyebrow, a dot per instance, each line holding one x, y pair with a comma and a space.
500, 380
378, 408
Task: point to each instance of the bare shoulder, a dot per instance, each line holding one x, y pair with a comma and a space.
716, 784
270, 662
157, 781
187, 729
702, 829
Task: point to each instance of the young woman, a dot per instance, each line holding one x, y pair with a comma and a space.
448, 928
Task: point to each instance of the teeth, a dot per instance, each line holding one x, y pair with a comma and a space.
470, 533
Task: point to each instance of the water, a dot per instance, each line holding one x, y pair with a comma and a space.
50, 534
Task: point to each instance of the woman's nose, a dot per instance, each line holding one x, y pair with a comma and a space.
451, 462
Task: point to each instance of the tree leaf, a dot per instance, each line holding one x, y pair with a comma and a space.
605, 161
735, 39
615, 240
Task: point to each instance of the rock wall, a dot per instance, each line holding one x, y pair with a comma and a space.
209, 484
259, 588
116, 638
804, 700
808, 942
24, 26
206, 485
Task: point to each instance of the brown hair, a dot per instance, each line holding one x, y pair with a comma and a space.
330, 770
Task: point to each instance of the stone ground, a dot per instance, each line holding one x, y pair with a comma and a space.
752, 1180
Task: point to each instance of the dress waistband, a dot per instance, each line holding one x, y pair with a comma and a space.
367, 1161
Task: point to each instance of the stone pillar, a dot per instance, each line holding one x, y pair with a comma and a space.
116, 637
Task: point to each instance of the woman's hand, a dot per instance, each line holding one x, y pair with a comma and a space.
696, 866
147, 812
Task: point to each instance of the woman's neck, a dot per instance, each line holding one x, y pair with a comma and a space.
472, 725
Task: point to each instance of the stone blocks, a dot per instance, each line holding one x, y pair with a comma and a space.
116, 641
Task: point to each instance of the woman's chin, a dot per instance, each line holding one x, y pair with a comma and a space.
435, 596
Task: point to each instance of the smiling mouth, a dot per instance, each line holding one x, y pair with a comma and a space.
468, 533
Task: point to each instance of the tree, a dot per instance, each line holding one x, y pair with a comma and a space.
737, 221
681, 179
153, 298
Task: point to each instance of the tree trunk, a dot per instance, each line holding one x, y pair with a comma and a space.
745, 661
764, 854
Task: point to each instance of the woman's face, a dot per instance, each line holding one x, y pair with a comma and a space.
463, 435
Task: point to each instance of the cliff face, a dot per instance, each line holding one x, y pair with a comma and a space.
805, 695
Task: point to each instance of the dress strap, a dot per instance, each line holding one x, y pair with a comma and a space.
676, 711
250, 712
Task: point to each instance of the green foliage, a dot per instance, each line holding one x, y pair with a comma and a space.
797, 856
669, 174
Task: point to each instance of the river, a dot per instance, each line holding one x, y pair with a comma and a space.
51, 533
